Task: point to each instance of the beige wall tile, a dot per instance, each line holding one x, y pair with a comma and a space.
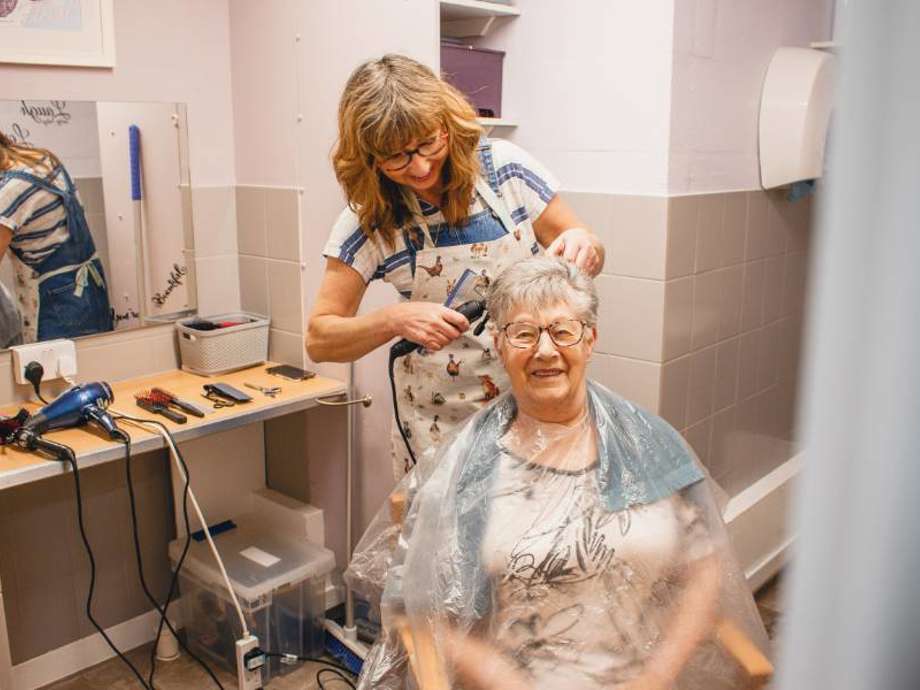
767, 357
286, 348
730, 301
707, 293
800, 225
675, 387
637, 239
251, 223
284, 296
254, 284
678, 317
794, 284
682, 224
777, 223
594, 210
218, 284
747, 364
720, 445
214, 217
756, 241
709, 232
635, 380
790, 345
631, 312
734, 228
773, 275
282, 214
726, 380
698, 436
752, 300
701, 386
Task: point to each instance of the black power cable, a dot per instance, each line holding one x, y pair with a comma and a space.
335, 669
66, 453
164, 620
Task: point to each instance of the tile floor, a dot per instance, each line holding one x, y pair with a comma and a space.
185, 674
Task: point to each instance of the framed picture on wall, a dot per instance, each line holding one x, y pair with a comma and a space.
58, 32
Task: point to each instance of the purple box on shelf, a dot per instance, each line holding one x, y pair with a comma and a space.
477, 72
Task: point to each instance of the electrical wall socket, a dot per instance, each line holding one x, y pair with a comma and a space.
246, 679
57, 357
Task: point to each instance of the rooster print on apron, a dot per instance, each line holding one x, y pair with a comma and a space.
440, 390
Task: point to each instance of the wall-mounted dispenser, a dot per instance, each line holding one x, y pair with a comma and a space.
795, 111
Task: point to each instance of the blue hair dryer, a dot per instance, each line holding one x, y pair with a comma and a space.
75, 407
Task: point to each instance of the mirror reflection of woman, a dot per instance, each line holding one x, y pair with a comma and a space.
60, 283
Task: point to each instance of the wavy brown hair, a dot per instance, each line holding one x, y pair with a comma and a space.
12, 153
386, 104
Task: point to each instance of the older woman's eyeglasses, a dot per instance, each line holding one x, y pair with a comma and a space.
564, 333
429, 147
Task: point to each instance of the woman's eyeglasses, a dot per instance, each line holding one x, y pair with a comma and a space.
564, 333
401, 160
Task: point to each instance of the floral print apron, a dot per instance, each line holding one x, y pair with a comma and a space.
438, 390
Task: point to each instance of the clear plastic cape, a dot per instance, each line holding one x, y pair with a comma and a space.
525, 554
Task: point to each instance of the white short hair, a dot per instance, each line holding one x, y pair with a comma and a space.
540, 282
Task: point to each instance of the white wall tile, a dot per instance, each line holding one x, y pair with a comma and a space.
747, 365
756, 242
218, 284
699, 436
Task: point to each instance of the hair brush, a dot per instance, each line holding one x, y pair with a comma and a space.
164, 397
151, 402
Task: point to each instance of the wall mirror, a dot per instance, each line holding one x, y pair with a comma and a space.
131, 263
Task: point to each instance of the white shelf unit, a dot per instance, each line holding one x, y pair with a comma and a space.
472, 18
492, 122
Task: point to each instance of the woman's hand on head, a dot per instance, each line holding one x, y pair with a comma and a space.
431, 325
580, 247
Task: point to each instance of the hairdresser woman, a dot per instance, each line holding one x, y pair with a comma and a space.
437, 211
60, 285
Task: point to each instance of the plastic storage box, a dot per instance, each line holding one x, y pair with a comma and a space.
223, 349
477, 72
280, 584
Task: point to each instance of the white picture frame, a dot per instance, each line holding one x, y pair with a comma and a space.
76, 33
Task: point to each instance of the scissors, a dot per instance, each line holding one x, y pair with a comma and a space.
218, 401
271, 392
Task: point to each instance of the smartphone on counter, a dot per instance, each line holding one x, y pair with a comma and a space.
286, 371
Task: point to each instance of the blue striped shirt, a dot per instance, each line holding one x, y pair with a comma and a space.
36, 217
526, 187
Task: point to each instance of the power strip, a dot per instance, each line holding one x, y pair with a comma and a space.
248, 673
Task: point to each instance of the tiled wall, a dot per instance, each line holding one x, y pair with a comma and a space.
270, 265
701, 318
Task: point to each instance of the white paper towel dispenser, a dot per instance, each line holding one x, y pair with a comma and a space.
795, 111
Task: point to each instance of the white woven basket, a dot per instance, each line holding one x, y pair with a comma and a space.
223, 349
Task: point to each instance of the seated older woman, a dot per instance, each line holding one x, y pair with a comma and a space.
564, 539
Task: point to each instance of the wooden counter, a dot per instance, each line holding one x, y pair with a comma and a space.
92, 447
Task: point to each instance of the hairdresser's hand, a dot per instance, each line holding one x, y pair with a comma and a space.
430, 325
580, 247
